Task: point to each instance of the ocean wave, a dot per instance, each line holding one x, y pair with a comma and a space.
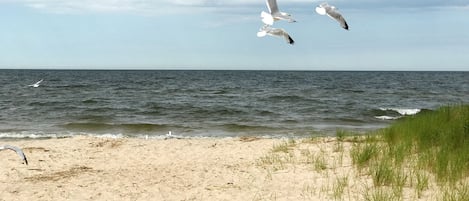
108, 109
344, 120
28, 135
73, 86
402, 111
386, 117
216, 111
95, 118
395, 113
225, 111
89, 101
288, 98
46, 103
218, 92
40, 135
107, 127
242, 128
195, 110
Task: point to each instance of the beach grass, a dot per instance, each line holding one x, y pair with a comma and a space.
415, 149
423, 156
421, 182
441, 137
362, 153
456, 193
339, 187
381, 194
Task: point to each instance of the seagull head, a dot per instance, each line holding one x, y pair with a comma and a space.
267, 18
261, 34
320, 10
285, 14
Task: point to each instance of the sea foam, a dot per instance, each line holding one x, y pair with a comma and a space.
403, 111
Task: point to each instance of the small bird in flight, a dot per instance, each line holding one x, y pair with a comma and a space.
331, 11
268, 30
274, 13
36, 84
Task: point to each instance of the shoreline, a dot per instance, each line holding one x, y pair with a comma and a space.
323, 132
241, 168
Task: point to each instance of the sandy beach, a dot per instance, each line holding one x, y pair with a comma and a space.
89, 168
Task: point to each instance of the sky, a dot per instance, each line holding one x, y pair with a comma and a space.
417, 35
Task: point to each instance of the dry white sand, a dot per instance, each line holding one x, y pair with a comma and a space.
87, 168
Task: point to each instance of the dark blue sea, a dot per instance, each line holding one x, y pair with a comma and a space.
216, 103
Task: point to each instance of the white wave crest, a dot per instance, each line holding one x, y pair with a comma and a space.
386, 117
403, 111
22, 135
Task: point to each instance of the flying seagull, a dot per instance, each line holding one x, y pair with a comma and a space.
36, 84
332, 12
17, 150
274, 13
268, 30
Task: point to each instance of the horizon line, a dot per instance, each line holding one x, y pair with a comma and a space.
202, 69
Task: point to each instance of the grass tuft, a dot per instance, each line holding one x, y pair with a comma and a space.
381, 194
362, 153
382, 173
339, 187
458, 192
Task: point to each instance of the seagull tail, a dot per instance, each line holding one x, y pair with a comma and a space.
267, 18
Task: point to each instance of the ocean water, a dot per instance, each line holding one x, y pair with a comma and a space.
216, 103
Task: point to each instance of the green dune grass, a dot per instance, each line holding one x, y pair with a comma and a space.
415, 149
440, 138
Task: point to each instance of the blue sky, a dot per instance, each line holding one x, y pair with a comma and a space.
210, 34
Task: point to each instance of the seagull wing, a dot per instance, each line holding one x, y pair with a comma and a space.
272, 6
18, 151
281, 33
263, 30
334, 14
288, 38
36, 84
